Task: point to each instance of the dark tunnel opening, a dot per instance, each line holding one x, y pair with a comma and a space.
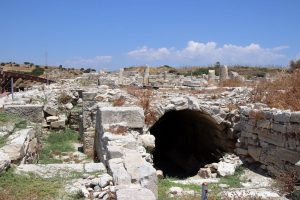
185, 141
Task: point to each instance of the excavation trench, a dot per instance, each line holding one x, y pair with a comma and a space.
185, 141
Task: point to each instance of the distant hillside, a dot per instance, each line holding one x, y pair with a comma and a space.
246, 71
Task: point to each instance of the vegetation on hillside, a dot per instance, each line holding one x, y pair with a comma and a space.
282, 93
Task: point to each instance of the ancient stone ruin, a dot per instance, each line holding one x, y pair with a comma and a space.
136, 135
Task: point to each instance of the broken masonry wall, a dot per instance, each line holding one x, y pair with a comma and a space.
270, 137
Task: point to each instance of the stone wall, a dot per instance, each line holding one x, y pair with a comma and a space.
116, 144
29, 112
270, 137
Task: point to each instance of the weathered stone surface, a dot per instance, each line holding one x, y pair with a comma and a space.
148, 141
94, 167
282, 116
114, 152
127, 141
105, 179
135, 194
272, 138
254, 152
49, 109
17, 144
32, 113
226, 169
51, 118
88, 96
50, 170
119, 173
288, 155
204, 172
4, 161
241, 151
133, 117
140, 171
295, 117
281, 128
58, 124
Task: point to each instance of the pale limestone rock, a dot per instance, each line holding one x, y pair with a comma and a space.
133, 117
135, 194
49, 109
58, 124
94, 167
148, 141
226, 169
51, 119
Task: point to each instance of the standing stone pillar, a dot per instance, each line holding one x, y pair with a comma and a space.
121, 76
223, 72
146, 75
165, 75
211, 76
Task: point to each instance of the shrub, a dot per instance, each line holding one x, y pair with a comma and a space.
37, 71
282, 93
286, 181
64, 98
119, 101
231, 83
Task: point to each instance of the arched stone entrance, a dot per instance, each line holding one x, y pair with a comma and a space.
186, 140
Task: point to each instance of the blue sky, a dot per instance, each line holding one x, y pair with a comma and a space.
112, 34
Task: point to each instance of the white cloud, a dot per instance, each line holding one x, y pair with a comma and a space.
150, 53
210, 52
89, 62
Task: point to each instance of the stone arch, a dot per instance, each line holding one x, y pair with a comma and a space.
188, 137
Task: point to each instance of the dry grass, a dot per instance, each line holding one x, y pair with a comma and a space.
286, 182
118, 130
231, 83
282, 93
64, 98
119, 101
144, 96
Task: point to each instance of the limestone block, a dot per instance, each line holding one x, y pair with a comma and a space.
288, 155
4, 161
49, 109
50, 170
17, 144
244, 110
263, 124
282, 116
148, 141
32, 113
254, 152
51, 119
241, 151
119, 173
295, 117
140, 171
272, 138
204, 173
135, 194
293, 128
58, 124
94, 167
114, 152
281, 128
88, 96
226, 169
133, 117
127, 141
68, 106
